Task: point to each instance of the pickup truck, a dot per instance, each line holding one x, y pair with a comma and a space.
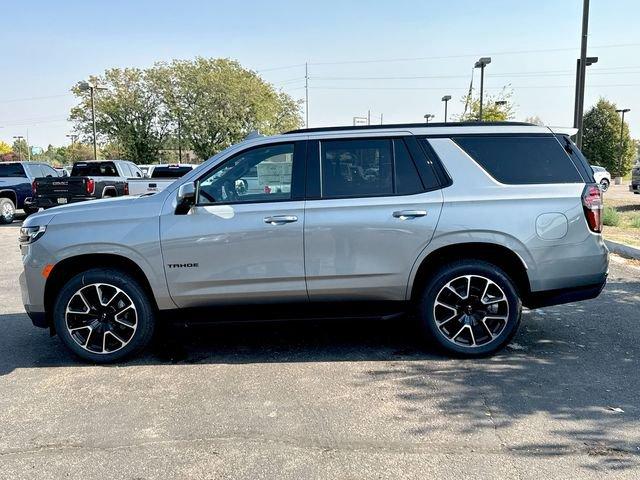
16, 183
90, 180
160, 177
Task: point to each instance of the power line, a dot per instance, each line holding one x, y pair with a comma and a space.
26, 99
329, 87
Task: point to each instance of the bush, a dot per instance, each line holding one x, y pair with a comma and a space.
635, 221
610, 217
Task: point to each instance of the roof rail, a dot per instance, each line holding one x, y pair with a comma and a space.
413, 125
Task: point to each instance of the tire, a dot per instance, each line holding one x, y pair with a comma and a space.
479, 293
112, 327
604, 184
7, 211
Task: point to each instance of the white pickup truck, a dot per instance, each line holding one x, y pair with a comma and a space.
159, 178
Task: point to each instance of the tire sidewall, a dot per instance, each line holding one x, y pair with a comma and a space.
457, 269
604, 184
4, 220
146, 321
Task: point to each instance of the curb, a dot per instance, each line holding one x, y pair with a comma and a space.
623, 250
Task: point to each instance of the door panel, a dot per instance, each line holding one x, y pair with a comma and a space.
225, 254
357, 249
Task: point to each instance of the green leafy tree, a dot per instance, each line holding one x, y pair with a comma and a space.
218, 103
129, 113
4, 148
21, 148
495, 108
601, 139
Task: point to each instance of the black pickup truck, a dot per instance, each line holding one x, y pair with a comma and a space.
89, 180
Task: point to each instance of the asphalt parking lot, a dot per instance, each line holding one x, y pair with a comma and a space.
327, 400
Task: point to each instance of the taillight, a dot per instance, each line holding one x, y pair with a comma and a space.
91, 186
592, 204
126, 189
34, 187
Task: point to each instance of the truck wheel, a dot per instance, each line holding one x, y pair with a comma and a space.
604, 184
470, 308
7, 211
103, 316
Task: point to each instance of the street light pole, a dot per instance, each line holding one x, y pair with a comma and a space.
84, 86
622, 111
428, 117
179, 143
483, 62
582, 70
446, 99
580, 90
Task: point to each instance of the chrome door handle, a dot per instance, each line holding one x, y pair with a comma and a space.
402, 214
280, 219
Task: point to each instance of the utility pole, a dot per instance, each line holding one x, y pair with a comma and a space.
483, 62
382, 119
73, 138
582, 68
306, 93
446, 99
622, 111
576, 113
368, 117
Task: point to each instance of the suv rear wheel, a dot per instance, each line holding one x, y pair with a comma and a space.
470, 308
103, 316
7, 211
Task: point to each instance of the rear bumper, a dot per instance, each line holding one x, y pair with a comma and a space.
564, 295
45, 202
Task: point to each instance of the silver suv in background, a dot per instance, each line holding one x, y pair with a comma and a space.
456, 225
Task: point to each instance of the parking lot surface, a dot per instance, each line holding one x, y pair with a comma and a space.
327, 400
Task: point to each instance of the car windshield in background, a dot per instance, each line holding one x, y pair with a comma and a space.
170, 172
94, 169
12, 170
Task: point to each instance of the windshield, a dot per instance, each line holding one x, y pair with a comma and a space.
12, 170
94, 169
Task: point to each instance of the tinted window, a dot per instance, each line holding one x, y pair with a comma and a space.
356, 168
407, 178
256, 175
94, 169
12, 170
170, 172
521, 159
48, 171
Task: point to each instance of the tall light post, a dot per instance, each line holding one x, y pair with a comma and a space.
73, 138
622, 111
483, 62
446, 99
19, 138
428, 117
577, 113
582, 70
84, 86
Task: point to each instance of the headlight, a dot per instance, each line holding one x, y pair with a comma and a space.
30, 234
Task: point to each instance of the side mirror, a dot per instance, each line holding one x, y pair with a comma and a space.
186, 198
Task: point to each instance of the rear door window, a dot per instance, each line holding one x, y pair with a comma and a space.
521, 159
94, 169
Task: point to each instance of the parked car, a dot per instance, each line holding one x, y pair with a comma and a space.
90, 180
16, 186
635, 178
459, 225
602, 177
161, 177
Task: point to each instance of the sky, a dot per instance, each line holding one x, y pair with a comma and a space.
355, 51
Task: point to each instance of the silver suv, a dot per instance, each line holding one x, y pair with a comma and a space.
456, 225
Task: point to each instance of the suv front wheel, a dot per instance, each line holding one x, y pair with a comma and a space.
103, 315
470, 308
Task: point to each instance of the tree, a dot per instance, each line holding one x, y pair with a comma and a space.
535, 120
601, 139
130, 113
4, 148
493, 110
218, 103
21, 148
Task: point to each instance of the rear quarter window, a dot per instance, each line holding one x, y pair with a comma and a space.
12, 170
522, 159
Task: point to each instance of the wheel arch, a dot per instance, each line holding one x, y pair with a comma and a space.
11, 195
499, 255
66, 269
